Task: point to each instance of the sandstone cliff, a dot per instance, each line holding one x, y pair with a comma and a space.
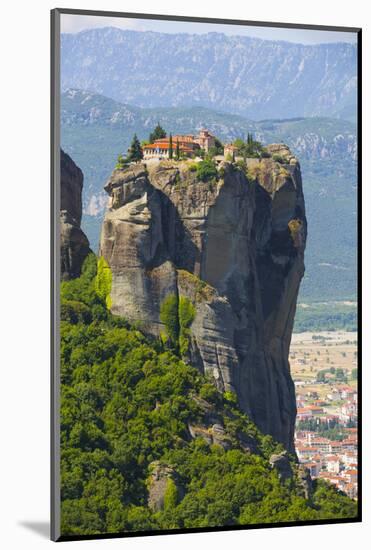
74, 243
234, 249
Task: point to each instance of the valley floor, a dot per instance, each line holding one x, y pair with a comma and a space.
324, 369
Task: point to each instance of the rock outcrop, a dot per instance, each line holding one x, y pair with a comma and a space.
163, 480
305, 481
234, 248
74, 243
281, 463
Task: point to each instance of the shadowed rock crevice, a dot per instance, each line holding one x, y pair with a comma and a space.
234, 247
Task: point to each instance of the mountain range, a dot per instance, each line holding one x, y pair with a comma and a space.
236, 74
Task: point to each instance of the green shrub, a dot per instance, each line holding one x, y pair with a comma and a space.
177, 314
187, 314
169, 317
231, 397
241, 164
121, 162
103, 282
206, 170
171, 495
192, 166
209, 392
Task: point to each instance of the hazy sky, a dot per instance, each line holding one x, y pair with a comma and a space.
77, 23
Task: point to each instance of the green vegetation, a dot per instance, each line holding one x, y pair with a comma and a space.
186, 311
206, 170
171, 496
79, 300
135, 152
331, 430
319, 316
170, 147
121, 162
126, 402
250, 148
103, 281
339, 375
241, 164
192, 166
158, 133
217, 149
169, 316
177, 314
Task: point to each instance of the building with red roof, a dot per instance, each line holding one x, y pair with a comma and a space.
189, 145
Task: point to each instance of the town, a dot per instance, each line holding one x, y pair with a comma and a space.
324, 369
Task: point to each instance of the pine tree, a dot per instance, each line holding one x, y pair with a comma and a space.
170, 146
158, 133
135, 151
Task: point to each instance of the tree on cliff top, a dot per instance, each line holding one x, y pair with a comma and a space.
170, 147
158, 133
135, 152
249, 149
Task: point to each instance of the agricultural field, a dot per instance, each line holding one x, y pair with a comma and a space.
312, 352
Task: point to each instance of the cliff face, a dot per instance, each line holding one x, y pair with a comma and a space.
233, 248
74, 243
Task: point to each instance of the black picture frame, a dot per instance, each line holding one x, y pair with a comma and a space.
55, 266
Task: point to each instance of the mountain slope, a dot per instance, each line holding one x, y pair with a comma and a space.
96, 129
232, 73
147, 443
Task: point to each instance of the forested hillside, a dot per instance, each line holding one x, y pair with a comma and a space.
148, 443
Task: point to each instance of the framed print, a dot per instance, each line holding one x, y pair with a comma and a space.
205, 281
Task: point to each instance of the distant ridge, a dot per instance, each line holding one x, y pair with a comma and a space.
232, 74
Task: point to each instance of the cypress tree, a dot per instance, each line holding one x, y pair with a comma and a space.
170, 146
177, 150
